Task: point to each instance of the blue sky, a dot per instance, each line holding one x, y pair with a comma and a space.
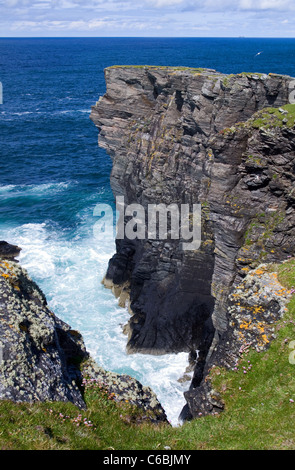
164, 18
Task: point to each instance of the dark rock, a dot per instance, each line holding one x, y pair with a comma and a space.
40, 353
254, 307
124, 388
8, 251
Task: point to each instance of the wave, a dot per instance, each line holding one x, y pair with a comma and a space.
48, 113
15, 190
73, 111
7, 114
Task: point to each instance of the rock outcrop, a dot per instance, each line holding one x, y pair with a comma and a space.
40, 354
44, 359
254, 308
8, 251
194, 136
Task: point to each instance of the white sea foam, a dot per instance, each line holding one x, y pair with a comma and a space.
15, 190
70, 272
6, 188
73, 111
18, 114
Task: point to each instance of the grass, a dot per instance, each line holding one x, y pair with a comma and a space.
273, 117
162, 67
286, 274
259, 410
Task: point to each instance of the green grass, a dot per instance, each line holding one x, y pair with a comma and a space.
272, 117
259, 410
286, 274
161, 67
265, 119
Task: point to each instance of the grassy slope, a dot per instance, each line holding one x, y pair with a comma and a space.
259, 409
273, 117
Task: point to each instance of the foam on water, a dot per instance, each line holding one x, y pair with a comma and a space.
13, 190
69, 271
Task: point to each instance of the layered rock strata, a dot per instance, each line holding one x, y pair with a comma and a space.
194, 136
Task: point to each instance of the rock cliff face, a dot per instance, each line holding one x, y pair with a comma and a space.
194, 136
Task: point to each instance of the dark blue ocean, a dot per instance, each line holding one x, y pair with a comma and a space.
52, 174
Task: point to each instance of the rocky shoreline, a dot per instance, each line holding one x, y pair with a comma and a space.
43, 358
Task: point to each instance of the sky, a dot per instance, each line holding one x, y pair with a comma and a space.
147, 18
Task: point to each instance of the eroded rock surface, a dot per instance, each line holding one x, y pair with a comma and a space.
40, 354
254, 307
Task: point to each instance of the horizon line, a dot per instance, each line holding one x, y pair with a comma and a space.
147, 37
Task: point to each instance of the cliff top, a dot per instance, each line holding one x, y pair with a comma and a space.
197, 71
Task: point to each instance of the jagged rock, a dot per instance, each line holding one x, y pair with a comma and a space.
254, 307
186, 136
124, 388
8, 251
40, 354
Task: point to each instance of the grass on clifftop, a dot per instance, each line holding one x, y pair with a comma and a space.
161, 67
259, 410
275, 117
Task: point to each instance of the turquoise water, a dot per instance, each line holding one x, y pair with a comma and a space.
52, 175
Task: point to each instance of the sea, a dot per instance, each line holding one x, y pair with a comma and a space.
53, 175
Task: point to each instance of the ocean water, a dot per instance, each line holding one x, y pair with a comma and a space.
53, 174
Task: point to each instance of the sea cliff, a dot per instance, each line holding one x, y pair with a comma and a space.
196, 136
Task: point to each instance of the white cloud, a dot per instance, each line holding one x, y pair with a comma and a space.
140, 5
265, 4
106, 24
224, 5
227, 5
170, 17
164, 3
